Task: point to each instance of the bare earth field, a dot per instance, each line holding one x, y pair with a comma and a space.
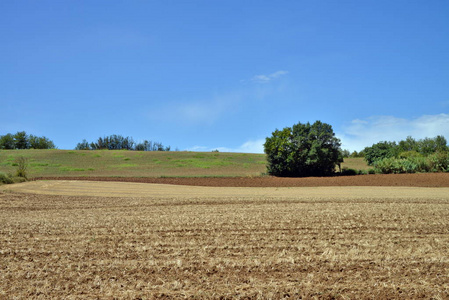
418, 180
91, 239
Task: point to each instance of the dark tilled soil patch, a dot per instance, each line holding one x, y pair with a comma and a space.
416, 180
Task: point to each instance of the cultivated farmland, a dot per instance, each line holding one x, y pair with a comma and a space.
75, 239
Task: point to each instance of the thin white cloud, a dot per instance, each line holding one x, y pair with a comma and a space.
261, 78
268, 78
250, 146
359, 134
199, 149
253, 146
196, 112
207, 111
278, 74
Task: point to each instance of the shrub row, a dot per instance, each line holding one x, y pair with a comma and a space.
437, 162
405, 148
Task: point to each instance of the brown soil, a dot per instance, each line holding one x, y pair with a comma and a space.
159, 241
224, 247
415, 180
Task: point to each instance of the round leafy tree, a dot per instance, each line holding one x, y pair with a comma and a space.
303, 150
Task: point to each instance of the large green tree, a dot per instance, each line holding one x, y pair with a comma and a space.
303, 150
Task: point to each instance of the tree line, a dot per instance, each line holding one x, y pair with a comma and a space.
405, 148
409, 156
22, 140
118, 142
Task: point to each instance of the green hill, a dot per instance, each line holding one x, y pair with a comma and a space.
67, 163
121, 163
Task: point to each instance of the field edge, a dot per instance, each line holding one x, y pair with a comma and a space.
411, 180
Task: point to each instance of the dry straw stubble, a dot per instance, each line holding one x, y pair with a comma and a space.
220, 245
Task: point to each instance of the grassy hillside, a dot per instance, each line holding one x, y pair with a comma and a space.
70, 163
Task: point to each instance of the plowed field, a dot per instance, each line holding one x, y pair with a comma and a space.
420, 180
77, 239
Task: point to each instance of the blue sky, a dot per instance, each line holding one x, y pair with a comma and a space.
205, 75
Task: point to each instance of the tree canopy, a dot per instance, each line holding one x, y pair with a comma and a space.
303, 150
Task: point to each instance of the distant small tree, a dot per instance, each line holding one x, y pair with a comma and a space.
21, 140
7, 142
140, 147
356, 154
441, 144
345, 153
145, 146
84, 145
36, 142
409, 144
303, 150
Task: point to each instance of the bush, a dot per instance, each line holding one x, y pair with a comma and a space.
349, 172
22, 166
409, 154
421, 164
439, 162
409, 165
389, 165
303, 150
5, 178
